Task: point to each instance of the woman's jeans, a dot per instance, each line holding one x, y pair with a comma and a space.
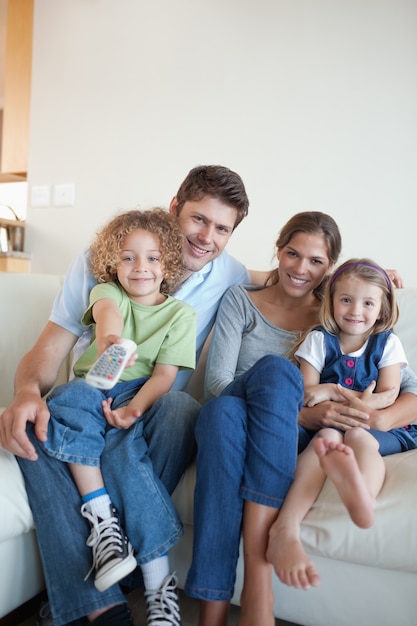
246, 450
141, 467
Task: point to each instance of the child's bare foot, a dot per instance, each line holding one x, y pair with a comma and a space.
291, 563
339, 464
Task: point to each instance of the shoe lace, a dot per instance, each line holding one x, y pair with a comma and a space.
162, 605
105, 537
44, 614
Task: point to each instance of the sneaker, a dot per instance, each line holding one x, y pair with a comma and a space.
44, 616
113, 557
162, 608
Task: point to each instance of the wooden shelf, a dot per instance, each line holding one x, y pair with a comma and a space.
14, 262
17, 84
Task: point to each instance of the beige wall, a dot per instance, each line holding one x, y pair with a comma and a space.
313, 103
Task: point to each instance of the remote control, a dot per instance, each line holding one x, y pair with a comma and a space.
106, 371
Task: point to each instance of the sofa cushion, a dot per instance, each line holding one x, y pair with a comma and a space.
26, 304
16, 516
326, 533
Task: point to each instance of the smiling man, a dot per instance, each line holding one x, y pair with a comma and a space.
209, 204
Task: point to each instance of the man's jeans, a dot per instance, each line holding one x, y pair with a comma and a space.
140, 471
246, 450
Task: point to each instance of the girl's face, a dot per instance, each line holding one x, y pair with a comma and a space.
303, 263
140, 271
356, 305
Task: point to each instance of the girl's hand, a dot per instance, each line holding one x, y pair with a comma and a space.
314, 394
123, 417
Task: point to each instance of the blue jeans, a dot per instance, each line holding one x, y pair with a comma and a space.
141, 467
390, 442
246, 450
78, 431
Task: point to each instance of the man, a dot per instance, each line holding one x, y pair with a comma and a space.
209, 205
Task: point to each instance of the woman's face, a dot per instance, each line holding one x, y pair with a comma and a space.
303, 263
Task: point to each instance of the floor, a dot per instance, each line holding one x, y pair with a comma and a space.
189, 612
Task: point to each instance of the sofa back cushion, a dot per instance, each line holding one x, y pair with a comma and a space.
26, 301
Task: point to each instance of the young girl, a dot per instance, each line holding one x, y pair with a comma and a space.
355, 348
137, 259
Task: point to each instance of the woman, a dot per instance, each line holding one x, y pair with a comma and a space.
247, 434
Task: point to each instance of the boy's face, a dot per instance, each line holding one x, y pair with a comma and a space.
140, 270
206, 225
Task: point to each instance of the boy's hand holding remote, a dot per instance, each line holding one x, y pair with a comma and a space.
108, 368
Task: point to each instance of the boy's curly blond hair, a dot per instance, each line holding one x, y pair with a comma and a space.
105, 249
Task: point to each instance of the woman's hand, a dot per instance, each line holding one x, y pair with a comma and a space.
333, 414
376, 401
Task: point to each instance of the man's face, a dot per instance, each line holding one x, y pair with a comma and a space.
206, 225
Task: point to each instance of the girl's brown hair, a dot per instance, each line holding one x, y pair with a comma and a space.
371, 272
368, 270
105, 249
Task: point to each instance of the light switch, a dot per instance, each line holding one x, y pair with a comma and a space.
64, 195
41, 196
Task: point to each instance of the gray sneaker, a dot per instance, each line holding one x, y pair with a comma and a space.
162, 608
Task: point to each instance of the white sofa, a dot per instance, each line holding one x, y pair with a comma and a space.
368, 576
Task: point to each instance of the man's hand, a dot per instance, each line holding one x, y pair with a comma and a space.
396, 278
35, 376
26, 407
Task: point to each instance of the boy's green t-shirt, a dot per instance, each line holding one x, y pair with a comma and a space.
165, 333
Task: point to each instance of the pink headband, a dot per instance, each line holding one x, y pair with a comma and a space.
374, 267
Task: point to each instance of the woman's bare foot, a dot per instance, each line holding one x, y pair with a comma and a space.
291, 563
339, 464
257, 606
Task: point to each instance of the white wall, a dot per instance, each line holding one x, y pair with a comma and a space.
312, 102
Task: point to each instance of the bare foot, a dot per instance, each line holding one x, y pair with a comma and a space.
291, 563
256, 609
339, 464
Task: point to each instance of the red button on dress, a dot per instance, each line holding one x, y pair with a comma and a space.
348, 381
350, 363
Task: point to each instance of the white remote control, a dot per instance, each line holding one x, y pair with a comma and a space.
106, 371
